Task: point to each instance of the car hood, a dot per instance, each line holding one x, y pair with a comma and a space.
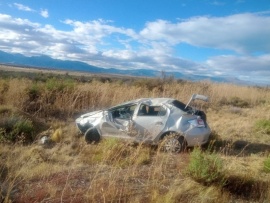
89, 117
92, 114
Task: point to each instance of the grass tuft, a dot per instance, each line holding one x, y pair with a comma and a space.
266, 165
206, 167
263, 126
116, 152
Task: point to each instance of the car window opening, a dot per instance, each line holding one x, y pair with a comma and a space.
146, 110
124, 112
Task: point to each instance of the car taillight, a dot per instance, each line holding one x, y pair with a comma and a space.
198, 122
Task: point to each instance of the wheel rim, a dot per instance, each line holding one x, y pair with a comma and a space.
172, 145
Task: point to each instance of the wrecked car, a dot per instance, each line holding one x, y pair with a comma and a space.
149, 120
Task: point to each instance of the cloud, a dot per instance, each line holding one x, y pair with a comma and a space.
244, 63
100, 43
244, 67
44, 13
242, 33
23, 7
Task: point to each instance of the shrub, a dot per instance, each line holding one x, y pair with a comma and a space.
34, 92
266, 165
233, 101
205, 167
263, 126
4, 86
13, 129
59, 85
238, 102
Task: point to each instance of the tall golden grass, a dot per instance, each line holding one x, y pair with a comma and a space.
70, 170
78, 97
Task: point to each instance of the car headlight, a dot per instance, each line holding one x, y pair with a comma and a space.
83, 121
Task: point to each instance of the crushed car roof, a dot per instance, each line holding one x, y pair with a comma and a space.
149, 101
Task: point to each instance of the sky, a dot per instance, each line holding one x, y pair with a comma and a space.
224, 38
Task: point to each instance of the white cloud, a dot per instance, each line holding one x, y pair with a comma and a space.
23, 7
240, 63
251, 68
44, 13
100, 43
242, 33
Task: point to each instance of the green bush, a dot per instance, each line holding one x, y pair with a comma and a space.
266, 165
263, 126
14, 129
59, 85
206, 167
34, 92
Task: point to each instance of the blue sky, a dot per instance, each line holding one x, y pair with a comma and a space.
228, 38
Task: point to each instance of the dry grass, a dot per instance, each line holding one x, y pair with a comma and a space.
69, 170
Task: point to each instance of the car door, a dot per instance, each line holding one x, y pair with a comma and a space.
118, 121
150, 121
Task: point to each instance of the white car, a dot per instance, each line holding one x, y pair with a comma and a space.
149, 120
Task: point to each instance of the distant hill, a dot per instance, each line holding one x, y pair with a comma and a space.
44, 61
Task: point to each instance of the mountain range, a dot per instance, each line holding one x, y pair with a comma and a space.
47, 62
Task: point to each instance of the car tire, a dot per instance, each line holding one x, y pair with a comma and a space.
173, 143
92, 136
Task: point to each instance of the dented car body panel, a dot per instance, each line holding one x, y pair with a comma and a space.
149, 120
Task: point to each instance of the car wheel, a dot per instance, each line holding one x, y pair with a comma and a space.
173, 143
92, 135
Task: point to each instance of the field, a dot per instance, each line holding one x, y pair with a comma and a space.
233, 167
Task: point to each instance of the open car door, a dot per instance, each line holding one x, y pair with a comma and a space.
118, 121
